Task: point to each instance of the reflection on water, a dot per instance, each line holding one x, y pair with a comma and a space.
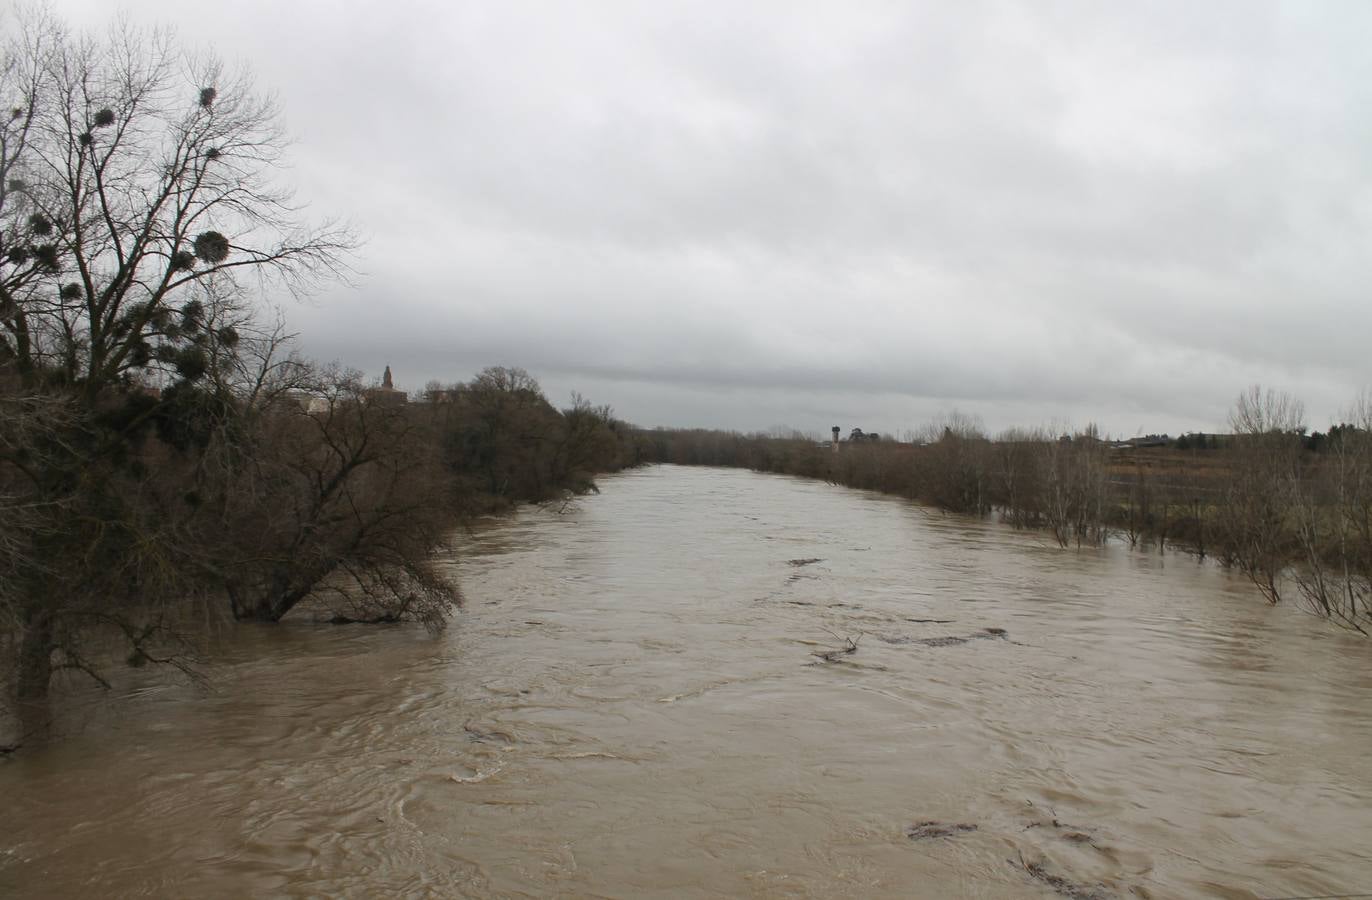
632, 705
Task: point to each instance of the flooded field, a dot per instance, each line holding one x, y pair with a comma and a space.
706, 683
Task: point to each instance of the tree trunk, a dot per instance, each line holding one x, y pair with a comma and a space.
34, 674
266, 606
279, 597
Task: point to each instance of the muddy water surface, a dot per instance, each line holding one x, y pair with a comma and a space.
648, 696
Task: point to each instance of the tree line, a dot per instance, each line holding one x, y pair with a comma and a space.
1290, 510
162, 447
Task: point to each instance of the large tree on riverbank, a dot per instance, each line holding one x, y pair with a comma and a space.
138, 191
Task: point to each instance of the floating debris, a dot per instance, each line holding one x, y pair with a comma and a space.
487, 736
951, 640
803, 562
1071, 889
850, 646
925, 830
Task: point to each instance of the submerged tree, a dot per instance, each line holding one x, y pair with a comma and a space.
137, 183
1333, 511
338, 498
1258, 501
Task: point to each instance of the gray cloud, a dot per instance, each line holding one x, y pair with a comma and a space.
748, 214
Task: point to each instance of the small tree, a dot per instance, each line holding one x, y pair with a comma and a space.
1333, 511
1258, 499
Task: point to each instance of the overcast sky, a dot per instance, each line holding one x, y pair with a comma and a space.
744, 214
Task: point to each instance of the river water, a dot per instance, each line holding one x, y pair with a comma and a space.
632, 704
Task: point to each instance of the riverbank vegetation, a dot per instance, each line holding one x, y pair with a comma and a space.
162, 448
1290, 509
165, 452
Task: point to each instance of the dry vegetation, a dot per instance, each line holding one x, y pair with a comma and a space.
161, 448
1292, 511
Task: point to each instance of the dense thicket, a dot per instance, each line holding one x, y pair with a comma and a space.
272, 484
1290, 510
159, 444
506, 443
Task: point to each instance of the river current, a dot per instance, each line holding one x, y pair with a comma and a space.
714, 683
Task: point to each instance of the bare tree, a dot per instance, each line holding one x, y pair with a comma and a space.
339, 499
137, 172
1073, 487
1265, 462
1016, 475
138, 187
1332, 506
588, 444
956, 465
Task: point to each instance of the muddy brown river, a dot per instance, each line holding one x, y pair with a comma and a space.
647, 696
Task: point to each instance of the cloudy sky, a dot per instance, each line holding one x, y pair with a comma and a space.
746, 214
